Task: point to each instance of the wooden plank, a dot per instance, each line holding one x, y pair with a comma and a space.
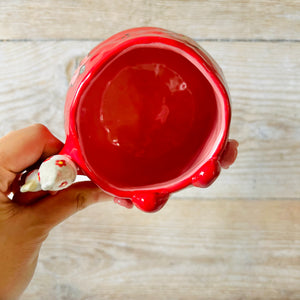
234, 19
192, 249
264, 81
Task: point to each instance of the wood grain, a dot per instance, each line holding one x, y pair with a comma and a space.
234, 19
239, 239
193, 249
263, 79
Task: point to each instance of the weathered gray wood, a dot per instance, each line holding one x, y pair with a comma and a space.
239, 239
193, 249
235, 19
263, 79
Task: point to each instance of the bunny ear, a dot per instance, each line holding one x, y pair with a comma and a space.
32, 183
55, 173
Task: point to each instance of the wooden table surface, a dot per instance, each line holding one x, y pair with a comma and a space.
238, 239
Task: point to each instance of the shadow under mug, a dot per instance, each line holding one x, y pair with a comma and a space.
148, 113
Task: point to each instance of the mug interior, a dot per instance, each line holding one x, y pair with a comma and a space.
148, 117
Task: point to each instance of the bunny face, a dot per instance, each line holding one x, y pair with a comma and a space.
56, 173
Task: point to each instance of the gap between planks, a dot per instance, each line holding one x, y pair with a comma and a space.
196, 39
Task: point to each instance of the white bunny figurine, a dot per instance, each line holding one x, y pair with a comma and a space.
56, 173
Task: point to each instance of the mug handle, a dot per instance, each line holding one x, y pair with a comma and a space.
54, 174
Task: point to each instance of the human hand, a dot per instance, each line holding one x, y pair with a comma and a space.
26, 220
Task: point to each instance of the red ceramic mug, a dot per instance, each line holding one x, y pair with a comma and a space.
147, 114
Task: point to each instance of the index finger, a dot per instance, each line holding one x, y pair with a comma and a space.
22, 148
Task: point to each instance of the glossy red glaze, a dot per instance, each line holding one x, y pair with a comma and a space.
207, 174
147, 112
150, 202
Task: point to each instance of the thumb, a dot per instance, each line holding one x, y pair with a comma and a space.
54, 209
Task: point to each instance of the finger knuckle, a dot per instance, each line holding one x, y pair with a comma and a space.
81, 201
40, 129
6, 179
8, 211
3, 186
